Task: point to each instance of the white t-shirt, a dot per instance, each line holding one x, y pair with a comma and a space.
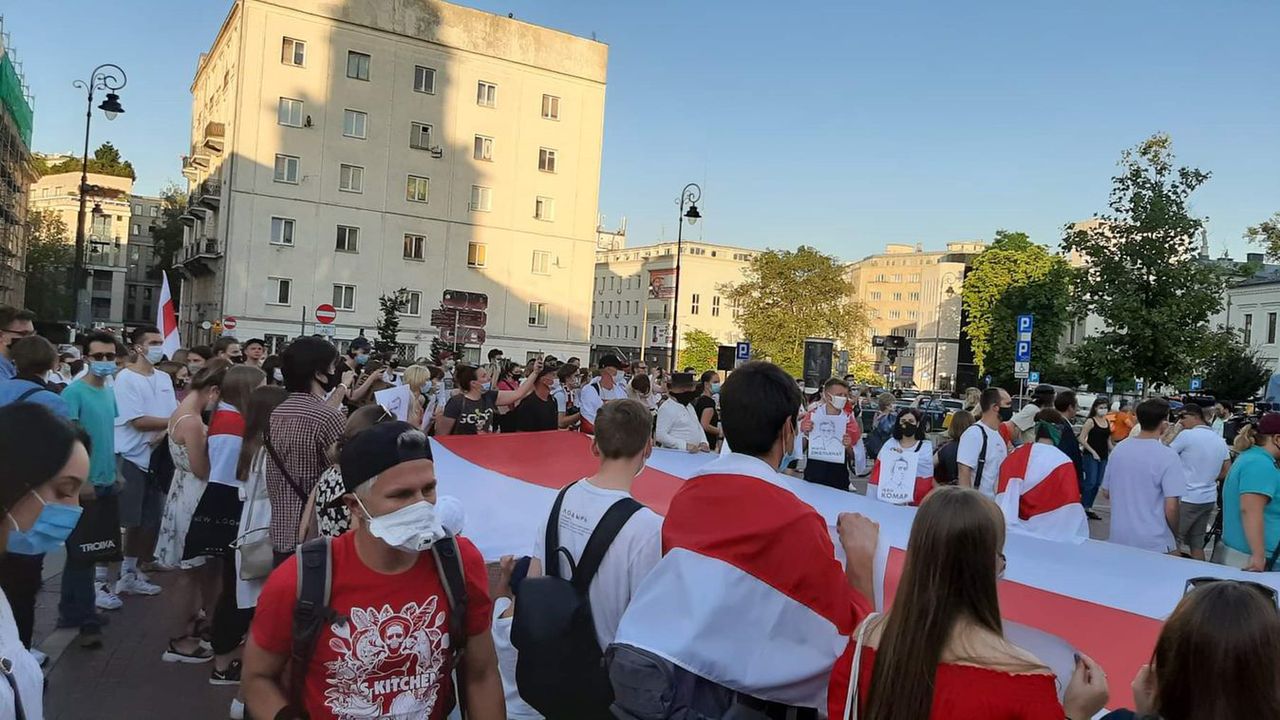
971, 447
1141, 473
677, 426
1202, 451
517, 708
139, 395
591, 401
634, 552
26, 671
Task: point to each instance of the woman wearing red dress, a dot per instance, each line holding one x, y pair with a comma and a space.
944, 632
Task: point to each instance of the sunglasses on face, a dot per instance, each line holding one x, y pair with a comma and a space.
1266, 591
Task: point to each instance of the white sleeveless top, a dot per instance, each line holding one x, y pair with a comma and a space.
25, 669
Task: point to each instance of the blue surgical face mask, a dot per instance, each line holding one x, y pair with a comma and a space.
787, 458
715, 388
52, 528
487, 386
155, 353
362, 359
103, 368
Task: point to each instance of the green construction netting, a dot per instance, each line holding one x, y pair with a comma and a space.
13, 100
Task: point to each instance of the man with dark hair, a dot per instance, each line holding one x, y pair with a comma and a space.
15, 324
1067, 406
228, 348
606, 388
1205, 459
764, 558
145, 399
255, 351
982, 449
358, 351
301, 430
1023, 423
33, 357
1144, 480
677, 425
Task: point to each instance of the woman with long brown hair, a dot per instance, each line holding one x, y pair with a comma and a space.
944, 632
1231, 627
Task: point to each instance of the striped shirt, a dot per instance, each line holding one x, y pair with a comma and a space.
302, 428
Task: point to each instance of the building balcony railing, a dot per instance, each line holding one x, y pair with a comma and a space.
209, 193
214, 135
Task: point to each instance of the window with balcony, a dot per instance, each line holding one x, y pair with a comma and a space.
278, 290
547, 160
412, 303
354, 124
537, 314
357, 65
289, 112
420, 136
286, 169
483, 148
476, 255
293, 52
486, 94
348, 240
416, 190
550, 107
282, 231
344, 297
541, 263
544, 208
424, 79
351, 178
415, 247
481, 198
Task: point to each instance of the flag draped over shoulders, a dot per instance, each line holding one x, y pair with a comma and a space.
1039, 494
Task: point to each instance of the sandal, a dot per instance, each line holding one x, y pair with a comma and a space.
200, 655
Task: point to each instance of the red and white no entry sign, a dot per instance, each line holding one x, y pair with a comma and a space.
325, 314
228, 323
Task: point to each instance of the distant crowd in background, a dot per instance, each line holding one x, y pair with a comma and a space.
223, 463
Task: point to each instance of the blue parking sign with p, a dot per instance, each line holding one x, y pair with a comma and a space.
1026, 323
1196, 384
743, 351
1033, 377
1022, 353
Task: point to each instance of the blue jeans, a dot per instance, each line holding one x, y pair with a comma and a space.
79, 596
1093, 470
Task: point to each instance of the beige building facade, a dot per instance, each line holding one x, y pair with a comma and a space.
634, 297
106, 250
345, 150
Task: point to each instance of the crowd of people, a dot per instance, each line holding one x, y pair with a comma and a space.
318, 568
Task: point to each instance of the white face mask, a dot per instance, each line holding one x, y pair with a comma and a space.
412, 528
838, 401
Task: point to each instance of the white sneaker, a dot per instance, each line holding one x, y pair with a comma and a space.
132, 583
40, 657
107, 600
237, 709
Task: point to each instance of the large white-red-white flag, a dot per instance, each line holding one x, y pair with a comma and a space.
167, 318
1040, 495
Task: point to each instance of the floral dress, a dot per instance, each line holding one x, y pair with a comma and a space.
179, 506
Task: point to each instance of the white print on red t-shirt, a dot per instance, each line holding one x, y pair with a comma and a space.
389, 663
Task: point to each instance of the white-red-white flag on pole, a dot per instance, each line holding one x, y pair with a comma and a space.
167, 318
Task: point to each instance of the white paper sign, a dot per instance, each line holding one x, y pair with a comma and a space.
826, 439
897, 476
397, 400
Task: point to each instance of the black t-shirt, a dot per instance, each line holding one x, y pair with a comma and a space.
534, 414
702, 402
472, 416
948, 470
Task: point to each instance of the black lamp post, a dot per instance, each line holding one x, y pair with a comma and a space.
104, 77
690, 197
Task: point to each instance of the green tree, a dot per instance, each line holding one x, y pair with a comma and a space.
50, 254
106, 160
1144, 277
388, 325
789, 295
1232, 370
1013, 277
699, 351
1266, 234
168, 233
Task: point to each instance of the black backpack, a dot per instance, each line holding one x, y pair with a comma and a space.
311, 611
560, 670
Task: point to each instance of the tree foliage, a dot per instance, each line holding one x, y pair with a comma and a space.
168, 232
1144, 277
789, 295
1266, 234
50, 255
106, 160
388, 325
1012, 277
1232, 370
699, 351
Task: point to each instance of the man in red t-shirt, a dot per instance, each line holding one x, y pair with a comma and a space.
391, 658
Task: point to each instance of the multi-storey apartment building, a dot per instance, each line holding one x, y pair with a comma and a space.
634, 296
343, 151
16, 174
142, 276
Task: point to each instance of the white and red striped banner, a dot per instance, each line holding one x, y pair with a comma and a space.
1106, 600
1039, 494
167, 318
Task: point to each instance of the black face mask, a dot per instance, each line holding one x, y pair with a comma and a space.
909, 430
1006, 414
332, 381
686, 397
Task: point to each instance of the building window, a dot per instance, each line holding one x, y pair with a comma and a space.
278, 289
344, 297
293, 52
550, 107
693, 304
289, 112
412, 303
1248, 328
415, 247
875, 295
354, 123
897, 278
715, 306
286, 169
357, 65
484, 148
895, 314
476, 255
155, 211
911, 314
541, 263
348, 239
416, 190
913, 296
481, 198
137, 229
275, 343
351, 178
282, 231
1271, 328
486, 94
137, 209
420, 136
424, 79
537, 314
547, 160
897, 296
544, 208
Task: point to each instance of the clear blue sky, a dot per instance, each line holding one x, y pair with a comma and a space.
845, 127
